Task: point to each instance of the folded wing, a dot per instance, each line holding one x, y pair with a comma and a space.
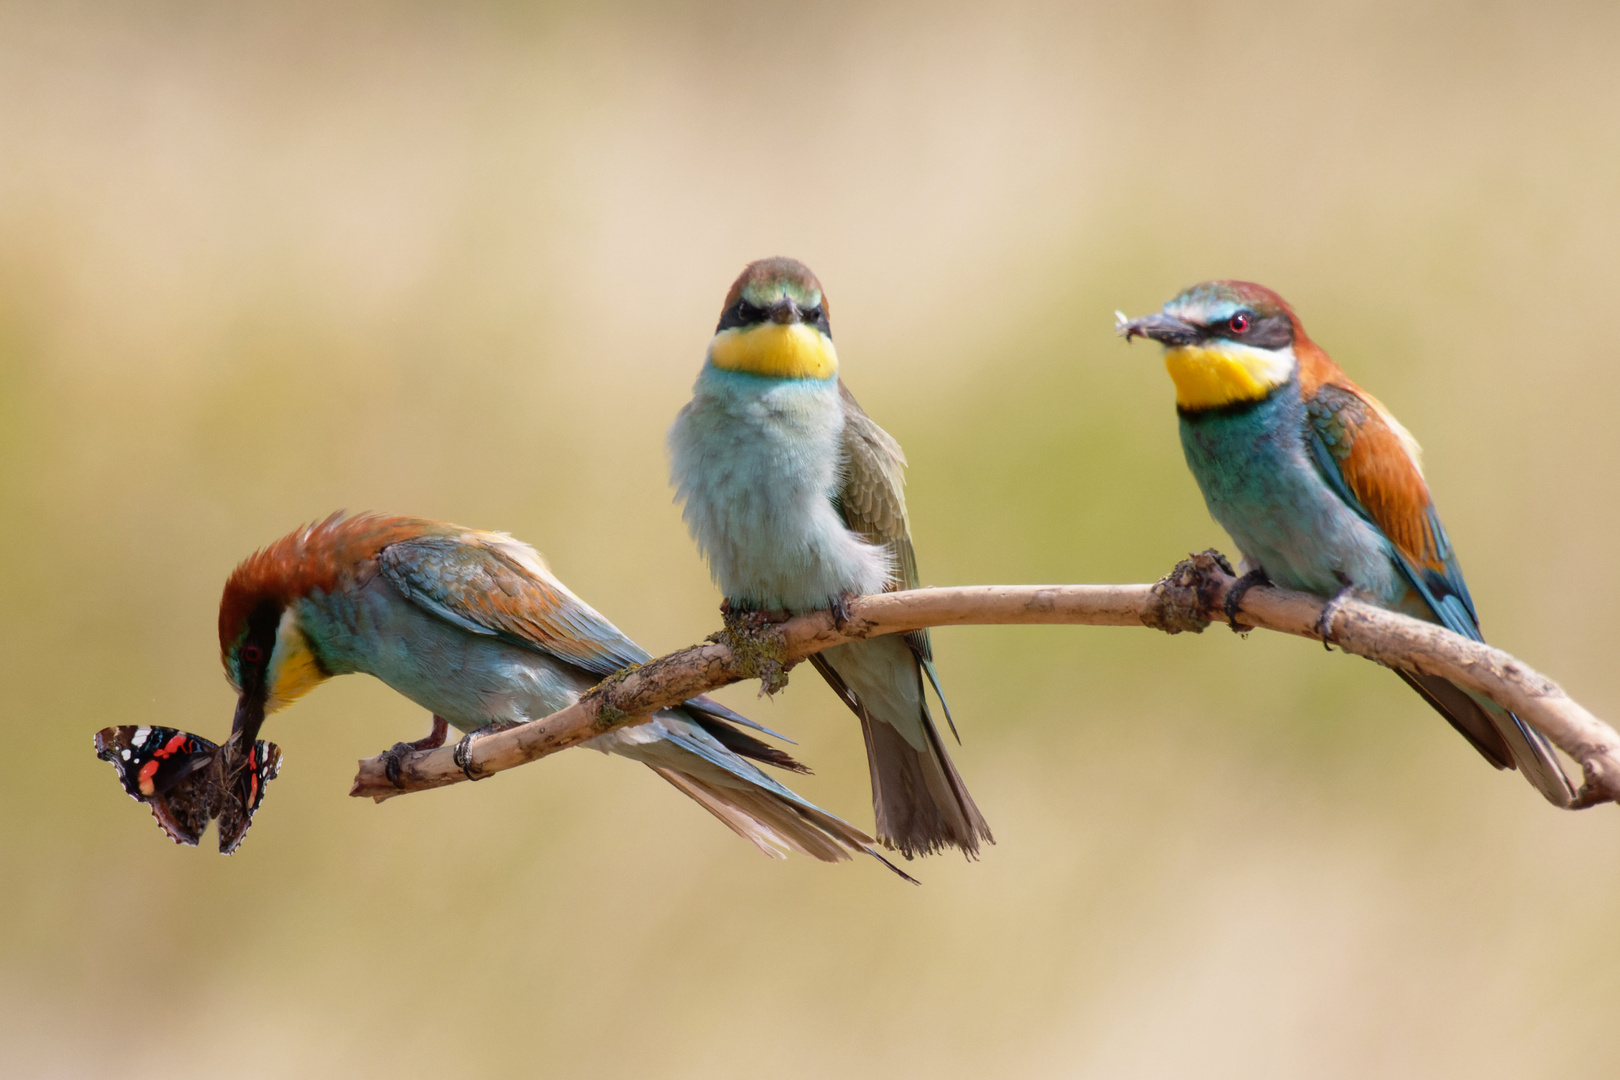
1372, 463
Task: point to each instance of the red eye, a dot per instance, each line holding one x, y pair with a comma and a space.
1239, 323
252, 654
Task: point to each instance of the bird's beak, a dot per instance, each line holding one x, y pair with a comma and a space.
784, 312
1165, 329
247, 722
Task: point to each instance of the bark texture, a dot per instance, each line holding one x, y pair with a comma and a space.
1187, 600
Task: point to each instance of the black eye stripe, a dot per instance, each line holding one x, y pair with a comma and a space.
254, 654
743, 313
1269, 332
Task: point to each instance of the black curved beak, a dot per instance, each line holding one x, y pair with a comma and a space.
784, 312
1165, 329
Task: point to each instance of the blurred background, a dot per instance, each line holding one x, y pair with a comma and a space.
264, 261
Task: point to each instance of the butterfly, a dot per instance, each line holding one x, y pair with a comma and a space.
187, 781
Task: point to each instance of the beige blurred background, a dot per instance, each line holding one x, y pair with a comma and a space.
462, 261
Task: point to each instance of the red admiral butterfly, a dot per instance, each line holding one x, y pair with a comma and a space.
183, 778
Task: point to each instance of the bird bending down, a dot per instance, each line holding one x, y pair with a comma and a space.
1322, 489
794, 496
474, 628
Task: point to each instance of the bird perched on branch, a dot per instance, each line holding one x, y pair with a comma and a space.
794, 496
471, 626
1322, 489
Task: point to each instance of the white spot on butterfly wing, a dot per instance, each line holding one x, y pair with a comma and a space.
141, 734
124, 753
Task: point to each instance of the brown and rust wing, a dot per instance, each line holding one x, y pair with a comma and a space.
490, 584
1372, 462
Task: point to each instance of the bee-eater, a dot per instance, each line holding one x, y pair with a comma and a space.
473, 627
1321, 488
794, 496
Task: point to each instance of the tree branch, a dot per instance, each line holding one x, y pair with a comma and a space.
1189, 599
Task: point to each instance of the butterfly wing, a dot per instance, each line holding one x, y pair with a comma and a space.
167, 770
242, 794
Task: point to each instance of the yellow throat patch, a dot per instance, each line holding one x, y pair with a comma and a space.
296, 673
775, 350
1207, 378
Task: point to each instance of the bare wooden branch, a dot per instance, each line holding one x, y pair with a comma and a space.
1188, 599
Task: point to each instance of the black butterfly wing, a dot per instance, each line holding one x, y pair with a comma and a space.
243, 793
166, 769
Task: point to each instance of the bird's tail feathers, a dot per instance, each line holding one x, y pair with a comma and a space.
1536, 759
753, 805
740, 742
919, 799
706, 705
922, 805
1464, 714
933, 679
771, 823
1501, 737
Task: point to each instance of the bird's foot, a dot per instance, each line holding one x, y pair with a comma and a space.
753, 640
463, 754
394, 756
1234, 597
843, 615
1330, 611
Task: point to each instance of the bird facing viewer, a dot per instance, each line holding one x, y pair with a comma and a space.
794, 496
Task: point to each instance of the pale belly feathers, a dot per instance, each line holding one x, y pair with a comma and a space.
757, 463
